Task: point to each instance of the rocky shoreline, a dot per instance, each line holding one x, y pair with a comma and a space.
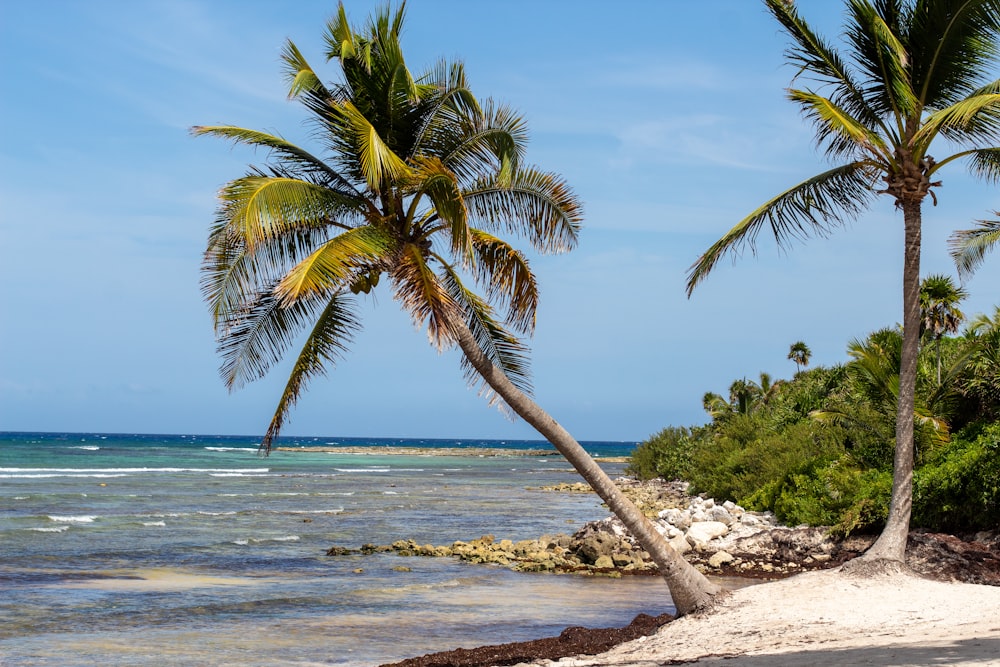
723, 540
720, 539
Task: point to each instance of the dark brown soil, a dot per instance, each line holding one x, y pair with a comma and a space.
572, 641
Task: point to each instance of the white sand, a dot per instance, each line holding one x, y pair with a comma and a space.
828, 618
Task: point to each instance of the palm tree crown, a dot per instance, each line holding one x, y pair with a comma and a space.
913, 71
800, 353
416, 182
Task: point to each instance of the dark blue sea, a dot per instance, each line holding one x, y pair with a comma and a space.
194, 550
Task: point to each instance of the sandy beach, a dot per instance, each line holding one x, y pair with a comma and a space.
827, 618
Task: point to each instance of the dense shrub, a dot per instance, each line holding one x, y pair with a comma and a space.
960, 489
666, 454
818, 449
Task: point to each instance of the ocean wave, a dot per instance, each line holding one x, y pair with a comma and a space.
231, 449
51, 529
154, 523
73, 519
363, 469
205, 513
89, 448
239, 474
79, 471
41, 476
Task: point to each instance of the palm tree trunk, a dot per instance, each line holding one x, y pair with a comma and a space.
891, 544
689, 588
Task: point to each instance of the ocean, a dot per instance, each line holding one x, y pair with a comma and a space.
175, 550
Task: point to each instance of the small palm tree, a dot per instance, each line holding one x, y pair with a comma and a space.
417, 185
914, 71
939, 313
800, 353
969, 246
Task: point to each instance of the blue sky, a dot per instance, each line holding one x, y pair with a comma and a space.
668, 119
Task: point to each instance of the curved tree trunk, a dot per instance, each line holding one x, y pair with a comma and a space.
689, 588
891, 544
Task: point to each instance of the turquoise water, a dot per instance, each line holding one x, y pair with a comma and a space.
193, 550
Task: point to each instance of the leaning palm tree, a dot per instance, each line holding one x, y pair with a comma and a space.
969, 246
914, 71
800, 353
417, 182
939, 313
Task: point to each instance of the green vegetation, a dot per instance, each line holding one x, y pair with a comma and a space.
818, 449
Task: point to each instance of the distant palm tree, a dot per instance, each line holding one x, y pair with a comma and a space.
939, 313
800, 353
969, 246
418, 182
915, 70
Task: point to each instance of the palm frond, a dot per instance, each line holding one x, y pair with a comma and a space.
813, 207
341, 42
953, 44
378, 163
284, 150
813, 56
256, 338
976, 117
475, 147
968, 247
232, 274
335, 264
880, 52
299, 75
423, 296
501, 348
508, 277
843, 134
441, 187
537, 205
327, 342
984, 163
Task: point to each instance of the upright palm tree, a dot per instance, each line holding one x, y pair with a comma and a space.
939, 313
914, 71
416, 182
800, 353
969, 246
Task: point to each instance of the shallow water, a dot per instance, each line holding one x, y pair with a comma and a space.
162, 550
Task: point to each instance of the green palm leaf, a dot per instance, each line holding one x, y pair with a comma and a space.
329, 339
257, 338
335, 264
843, 133
424, 296
539, 205
978, 115
506, 272
264, 207
814, 207
378, 163
969, 247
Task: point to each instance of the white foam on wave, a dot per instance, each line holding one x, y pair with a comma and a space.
73, 519
362, 469
52, 529
231, 449
122, 471
41, 476
89, 448
329, 511
241, 543
237, 474
154, 523
335, 493
203, 513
